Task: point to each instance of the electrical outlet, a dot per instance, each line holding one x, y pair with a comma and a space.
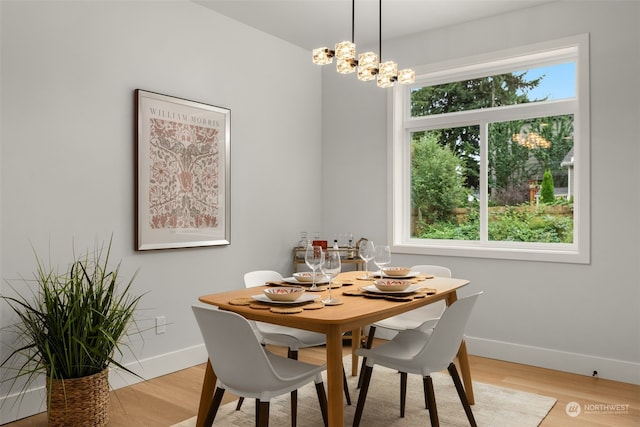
161, 325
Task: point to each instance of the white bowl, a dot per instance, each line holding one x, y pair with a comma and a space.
392, 285
396, 271
307, 277
284, 294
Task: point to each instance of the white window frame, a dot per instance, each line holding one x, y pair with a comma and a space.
401, 124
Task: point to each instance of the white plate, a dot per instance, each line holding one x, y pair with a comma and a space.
386, 276
303, 298
295, 281
410, 289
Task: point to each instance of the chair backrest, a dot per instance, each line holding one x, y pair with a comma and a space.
444, 342
239, 359
431, 311
436, 270
260, 277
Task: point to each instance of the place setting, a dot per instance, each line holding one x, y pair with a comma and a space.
395, 273
393, 289
285, 300
285, 296
304, 279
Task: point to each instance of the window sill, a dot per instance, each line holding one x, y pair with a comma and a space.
537, 253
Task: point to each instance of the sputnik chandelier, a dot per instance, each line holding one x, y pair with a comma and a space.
367, 65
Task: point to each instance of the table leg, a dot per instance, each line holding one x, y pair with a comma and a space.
334, 378
463, 359
208, 388
355, 344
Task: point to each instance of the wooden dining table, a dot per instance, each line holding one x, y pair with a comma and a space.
355, 312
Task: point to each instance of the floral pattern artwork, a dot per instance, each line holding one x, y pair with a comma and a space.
183, 175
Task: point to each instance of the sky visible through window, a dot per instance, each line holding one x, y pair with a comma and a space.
559, 81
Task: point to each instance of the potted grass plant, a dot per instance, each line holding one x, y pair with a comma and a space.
70, 327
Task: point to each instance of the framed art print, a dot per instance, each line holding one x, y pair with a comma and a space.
182, 162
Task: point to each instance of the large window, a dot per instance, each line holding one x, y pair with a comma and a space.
491, 156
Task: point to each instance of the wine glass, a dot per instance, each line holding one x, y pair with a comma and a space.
313, 257
382, 257
330, 267
366, 251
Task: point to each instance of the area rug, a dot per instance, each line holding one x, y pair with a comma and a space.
494, 406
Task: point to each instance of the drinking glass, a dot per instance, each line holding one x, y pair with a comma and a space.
313, 257
330, 267
366, 251
382, 257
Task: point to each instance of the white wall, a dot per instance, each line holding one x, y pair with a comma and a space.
576, 318
68, 74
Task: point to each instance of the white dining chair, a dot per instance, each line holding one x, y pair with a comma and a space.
284, 336
292, 338
244, 367
414, 318
422, 351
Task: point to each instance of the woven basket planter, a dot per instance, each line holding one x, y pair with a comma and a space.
79, 402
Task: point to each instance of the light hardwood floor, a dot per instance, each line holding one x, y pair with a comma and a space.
172, 398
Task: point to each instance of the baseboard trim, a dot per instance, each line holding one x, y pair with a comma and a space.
582, 364
21, 405
157, 366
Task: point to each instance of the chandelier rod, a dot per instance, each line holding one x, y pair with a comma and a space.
353, 20
380, 30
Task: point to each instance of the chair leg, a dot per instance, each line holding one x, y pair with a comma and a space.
461, 393
293, 354
403, 392
215, 405
322, 399
431, 397
345, 386
262, 414
426, 393
366, 379
294, 408
368, 344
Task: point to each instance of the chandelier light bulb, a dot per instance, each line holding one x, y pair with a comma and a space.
367, 66
388, 69
406, 76
345, 50
385, 82
387, 74
322, 56
346, 66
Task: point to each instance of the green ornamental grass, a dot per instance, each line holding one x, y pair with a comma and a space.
72, 324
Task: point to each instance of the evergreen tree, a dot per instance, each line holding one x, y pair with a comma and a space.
547, 190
